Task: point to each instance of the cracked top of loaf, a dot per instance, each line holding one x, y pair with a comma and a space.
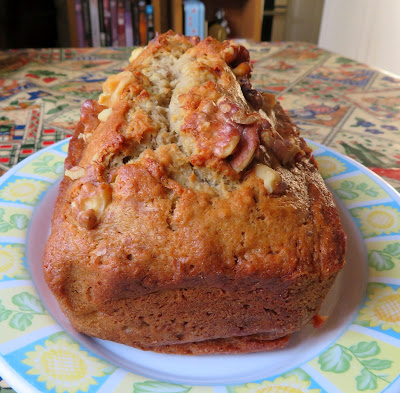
182, 174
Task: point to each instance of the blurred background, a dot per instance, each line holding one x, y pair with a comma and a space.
365, 30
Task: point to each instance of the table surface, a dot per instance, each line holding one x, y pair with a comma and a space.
338, 102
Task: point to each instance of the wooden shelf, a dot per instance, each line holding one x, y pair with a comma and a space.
244, 16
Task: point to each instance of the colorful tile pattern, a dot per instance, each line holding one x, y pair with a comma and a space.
335, 100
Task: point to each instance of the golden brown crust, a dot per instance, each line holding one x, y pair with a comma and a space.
181, 199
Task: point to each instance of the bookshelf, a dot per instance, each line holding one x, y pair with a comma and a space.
245, 17
114, 22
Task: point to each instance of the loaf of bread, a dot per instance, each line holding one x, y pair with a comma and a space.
191, 218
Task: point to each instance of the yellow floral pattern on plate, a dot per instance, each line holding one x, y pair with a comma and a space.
329, 166
280, 385
64, 366
382, 309
23, 190
11, 263
378, 220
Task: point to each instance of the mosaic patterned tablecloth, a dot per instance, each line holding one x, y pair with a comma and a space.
335, 101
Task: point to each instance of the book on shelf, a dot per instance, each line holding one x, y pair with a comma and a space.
102, 23
87, 30
194, 18
108, 22
142, 22
121, 22
94, 22
135, 21
79, 23
114, 22
128, 24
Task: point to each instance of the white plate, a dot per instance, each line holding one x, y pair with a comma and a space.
357, 349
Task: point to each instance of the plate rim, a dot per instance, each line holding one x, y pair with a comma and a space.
13, 377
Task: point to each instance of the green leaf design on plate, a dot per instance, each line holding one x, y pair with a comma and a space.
159, 387
374, 285
376, 364
361, 323
366, 380
28, 306
392, 249
109, 369
58, 168
27, 302
19, 221
380, 261
338, 359
335, 359
4, 314
371, 191
23, 276
299, 373
365, 349
347, 185
346, 194
348, 190
5, 226
43, 165
1, 214
61, 335
21, 320
42, 169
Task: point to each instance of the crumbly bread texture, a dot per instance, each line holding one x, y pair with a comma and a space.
191, 218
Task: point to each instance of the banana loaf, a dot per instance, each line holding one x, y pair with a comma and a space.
191, 218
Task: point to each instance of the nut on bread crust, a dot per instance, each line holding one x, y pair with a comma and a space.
191, 217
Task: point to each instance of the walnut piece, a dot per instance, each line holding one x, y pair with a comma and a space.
286, 150
235, 54
75, 172
270, 177
248, 145
242, 69
113, 87
269, 102
91, 203
253, 97
104, 114
135, 53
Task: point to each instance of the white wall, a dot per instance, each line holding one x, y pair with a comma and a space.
364, 30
